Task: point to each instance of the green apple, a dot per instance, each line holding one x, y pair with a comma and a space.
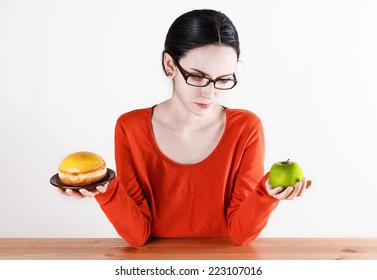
285, 173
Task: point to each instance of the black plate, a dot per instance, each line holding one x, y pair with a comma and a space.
55, 181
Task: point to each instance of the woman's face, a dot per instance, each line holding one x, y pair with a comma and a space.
209, 61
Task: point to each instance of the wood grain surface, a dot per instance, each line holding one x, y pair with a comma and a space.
193, 249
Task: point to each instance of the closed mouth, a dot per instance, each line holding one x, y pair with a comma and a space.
203, 104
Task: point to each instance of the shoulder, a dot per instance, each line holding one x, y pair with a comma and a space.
135, 117
241, 118
134, 122
244, 127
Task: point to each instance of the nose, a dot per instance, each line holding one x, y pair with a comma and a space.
209, 90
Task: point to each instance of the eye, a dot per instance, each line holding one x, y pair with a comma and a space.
224, 81
197, 78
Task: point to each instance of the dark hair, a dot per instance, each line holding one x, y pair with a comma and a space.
198, 28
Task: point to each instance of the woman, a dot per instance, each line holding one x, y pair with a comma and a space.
189, 167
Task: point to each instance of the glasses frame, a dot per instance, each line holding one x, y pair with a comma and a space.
186, 75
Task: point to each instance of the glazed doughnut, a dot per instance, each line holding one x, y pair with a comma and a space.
82, 168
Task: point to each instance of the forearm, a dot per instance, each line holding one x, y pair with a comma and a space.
130, 219
246, 222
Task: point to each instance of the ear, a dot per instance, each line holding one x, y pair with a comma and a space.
169, 65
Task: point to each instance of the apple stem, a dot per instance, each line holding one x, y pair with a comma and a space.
287, 160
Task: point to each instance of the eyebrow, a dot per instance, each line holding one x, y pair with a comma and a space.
205, 74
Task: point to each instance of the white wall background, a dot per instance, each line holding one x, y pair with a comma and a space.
68, 69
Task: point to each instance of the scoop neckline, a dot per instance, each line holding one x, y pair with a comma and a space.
173, 162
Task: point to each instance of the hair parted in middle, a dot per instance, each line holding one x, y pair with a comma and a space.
198, 28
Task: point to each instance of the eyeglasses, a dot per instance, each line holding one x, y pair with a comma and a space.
202, 81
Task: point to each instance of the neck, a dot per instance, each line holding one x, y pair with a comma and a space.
180, 119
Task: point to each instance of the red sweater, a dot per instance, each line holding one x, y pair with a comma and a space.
221, 196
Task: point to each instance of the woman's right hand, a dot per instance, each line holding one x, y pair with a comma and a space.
82, 193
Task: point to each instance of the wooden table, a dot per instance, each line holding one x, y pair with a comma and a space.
193, 249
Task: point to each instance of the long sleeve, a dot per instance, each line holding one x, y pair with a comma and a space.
250, 205
221, 196
124, 202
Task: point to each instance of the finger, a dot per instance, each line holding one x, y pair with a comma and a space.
74, 194
268, 187
87, 193
284, 194
61, 191
277, 190
295, 191
102, 189
303, 186
271, 190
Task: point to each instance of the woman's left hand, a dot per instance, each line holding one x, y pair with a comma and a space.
288, 193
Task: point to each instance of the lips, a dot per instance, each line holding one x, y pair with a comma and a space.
204, 105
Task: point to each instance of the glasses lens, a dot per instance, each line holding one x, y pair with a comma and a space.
197, 81
225, 84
